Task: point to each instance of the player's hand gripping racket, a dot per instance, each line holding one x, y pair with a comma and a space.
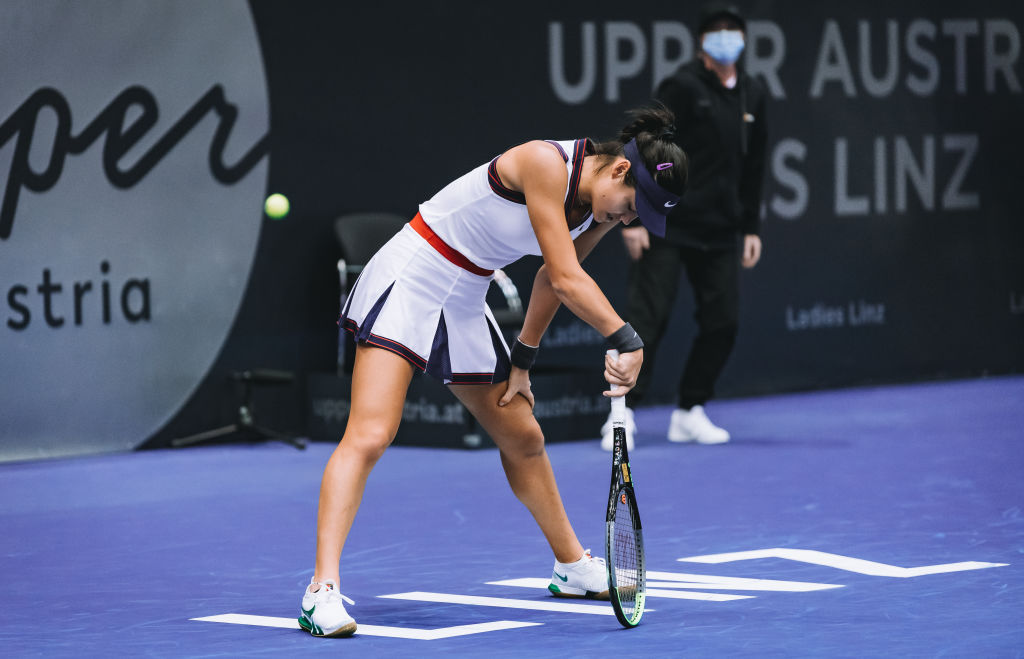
624, 538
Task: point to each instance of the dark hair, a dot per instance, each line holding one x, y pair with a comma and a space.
654, 130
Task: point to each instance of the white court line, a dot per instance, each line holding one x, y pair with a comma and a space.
839, 562
534, 582
531, 605
376, 630
687, 595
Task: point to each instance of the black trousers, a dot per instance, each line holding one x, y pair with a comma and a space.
653, 283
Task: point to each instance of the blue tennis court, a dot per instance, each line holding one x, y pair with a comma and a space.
866, 522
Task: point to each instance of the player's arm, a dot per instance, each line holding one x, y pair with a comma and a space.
544, 302
539, 172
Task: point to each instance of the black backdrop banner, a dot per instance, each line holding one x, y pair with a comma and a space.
892, 227
892, 218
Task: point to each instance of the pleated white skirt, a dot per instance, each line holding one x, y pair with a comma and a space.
411, 300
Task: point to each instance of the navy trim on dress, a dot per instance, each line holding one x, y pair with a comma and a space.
558, 146
350, 325
503, 365
371, 316
499, 188
579, 152
438, 364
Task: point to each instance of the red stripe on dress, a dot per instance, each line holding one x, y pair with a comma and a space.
444, 249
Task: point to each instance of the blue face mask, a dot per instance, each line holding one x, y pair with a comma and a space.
723, 46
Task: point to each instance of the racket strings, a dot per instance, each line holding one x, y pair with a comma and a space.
627, 566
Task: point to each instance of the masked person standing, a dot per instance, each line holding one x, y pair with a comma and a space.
720, 124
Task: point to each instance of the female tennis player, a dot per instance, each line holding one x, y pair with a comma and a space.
420, 304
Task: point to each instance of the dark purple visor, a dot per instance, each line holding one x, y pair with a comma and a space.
653, 202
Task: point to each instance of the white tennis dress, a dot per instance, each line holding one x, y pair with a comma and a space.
423, 295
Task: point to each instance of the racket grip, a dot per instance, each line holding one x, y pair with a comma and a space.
618, 415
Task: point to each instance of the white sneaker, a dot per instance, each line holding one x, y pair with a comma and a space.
608, 438
323, 612
694, 425
587, 578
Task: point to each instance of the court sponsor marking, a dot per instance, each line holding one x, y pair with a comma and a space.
376, 630
847, 563
669, 585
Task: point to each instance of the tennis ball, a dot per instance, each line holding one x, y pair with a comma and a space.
276, 206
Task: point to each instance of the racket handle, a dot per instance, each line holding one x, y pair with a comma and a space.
618, 415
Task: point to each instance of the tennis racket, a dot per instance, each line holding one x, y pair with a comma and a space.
624, 538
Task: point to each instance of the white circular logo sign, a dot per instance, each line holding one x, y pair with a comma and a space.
133, 153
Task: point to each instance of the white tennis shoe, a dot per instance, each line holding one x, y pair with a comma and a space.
323, 611
693, 425
608, 438
587, 578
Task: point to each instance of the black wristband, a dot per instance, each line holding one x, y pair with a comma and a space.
523, 355
624, 339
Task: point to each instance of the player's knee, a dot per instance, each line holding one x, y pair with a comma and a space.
528, 445
367, 443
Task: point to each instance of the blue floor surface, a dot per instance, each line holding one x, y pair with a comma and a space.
831, 495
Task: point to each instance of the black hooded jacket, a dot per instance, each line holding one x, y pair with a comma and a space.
724, 136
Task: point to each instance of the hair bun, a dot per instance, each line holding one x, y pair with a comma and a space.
668, 133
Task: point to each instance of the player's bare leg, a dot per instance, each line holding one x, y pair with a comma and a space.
380, 380
519, 439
